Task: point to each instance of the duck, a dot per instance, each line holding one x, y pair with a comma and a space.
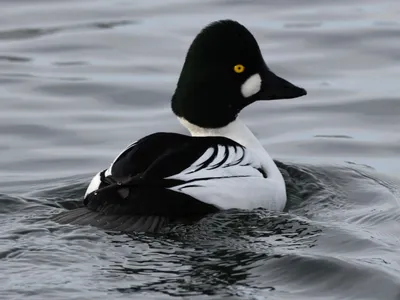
166, 177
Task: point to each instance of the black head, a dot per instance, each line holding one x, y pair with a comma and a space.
224, 71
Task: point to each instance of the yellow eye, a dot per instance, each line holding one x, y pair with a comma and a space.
238, 68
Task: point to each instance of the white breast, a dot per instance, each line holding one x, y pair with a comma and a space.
94, 184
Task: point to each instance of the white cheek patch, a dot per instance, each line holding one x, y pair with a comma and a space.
251, 86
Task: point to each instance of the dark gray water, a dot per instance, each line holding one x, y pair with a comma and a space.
80, 80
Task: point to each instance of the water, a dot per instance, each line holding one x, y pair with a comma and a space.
80, 80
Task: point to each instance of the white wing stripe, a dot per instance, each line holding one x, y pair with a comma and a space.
238, 163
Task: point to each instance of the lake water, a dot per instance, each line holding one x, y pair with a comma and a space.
80, 80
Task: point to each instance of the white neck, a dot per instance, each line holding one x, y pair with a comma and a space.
240, 133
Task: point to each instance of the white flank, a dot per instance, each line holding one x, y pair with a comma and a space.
96, 181
251, 86
94, 184
236, 192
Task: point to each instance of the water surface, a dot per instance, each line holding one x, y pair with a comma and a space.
80, 80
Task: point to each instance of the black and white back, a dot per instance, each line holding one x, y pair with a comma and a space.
168, 176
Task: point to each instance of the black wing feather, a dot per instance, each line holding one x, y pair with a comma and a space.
137, 159
135, 197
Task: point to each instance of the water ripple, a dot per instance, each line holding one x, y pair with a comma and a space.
81, 80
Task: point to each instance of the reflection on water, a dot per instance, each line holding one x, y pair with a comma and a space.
81, 80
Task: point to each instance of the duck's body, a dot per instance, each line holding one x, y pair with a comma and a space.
226, 168
169, 176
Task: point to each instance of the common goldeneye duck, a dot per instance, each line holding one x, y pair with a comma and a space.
167, 177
